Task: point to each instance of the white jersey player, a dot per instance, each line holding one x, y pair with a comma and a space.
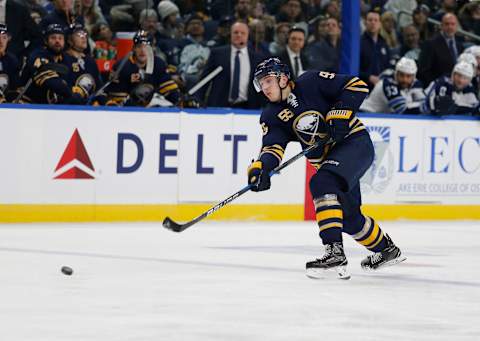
453, 95
401, 93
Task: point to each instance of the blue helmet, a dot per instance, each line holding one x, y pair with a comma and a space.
270, 66
143, 37
53, 29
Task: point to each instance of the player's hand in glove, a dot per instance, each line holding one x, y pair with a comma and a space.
257, 177
338, 120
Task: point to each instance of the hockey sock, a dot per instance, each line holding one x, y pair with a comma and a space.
329, 217
371, 236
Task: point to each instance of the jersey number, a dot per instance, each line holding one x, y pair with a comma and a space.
391, 91
327, 75
285, 115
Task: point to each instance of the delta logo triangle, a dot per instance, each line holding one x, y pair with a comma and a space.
75, 162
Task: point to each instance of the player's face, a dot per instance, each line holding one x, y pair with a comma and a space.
141, 52
460, 81
79, 40
404, 80
56, 42
3, 42
270, 88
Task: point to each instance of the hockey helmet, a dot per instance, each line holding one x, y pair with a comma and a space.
142, 37
269, 67
463, 68
53, 29
406, 65
475, 50
469, 58
76, 27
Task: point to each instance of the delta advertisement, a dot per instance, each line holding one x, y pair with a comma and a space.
69, 156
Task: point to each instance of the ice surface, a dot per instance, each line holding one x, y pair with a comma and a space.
233, 281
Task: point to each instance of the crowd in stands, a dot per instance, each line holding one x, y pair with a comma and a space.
72, 51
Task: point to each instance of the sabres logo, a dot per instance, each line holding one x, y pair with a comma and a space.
310, 126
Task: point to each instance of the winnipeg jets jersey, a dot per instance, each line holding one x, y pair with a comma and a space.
465, 101
301, 117
387, 97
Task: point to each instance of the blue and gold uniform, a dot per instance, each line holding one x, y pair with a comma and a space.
9, 70
321, 106
131, 76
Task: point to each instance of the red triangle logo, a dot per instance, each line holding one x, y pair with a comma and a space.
75, 151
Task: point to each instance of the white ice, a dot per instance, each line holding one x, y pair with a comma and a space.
233, 281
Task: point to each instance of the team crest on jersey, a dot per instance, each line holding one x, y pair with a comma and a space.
87, 82
4, 80
292, 100
310, 126
380, 174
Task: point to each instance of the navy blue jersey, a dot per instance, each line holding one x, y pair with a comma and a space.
9, 71
444, 98
302, 116
85, 73
48, 86
132, 75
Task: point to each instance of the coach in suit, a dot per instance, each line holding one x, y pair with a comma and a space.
233, 86
294, 55
439, 55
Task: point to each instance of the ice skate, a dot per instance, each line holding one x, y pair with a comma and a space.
333, 261
391, 255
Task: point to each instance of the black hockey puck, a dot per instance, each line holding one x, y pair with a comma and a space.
66, 270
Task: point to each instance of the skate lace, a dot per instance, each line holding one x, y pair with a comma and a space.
328, 253
375, 258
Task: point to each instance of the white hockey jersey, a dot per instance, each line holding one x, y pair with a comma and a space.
387, 97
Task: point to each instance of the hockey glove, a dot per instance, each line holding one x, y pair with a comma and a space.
259, 179
338, 120
445, 105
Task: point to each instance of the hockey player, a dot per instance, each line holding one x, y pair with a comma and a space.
142, 75
401, 93
84, 68
9, 68
321, 106
46, 77
453, 95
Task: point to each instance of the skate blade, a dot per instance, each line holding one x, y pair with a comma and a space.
389, 263
339, 272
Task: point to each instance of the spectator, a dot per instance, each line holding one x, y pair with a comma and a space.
398, 7
448, 6
453, 95
148, 21
469, 16
170, 26
279, 43
325, 54
259, 12
425, 29
242, 11
9, 68
233, 85
291, 12
439, 55
332, 10
374, 52
195, 53
105, 51
320, 31
388, 31
21, 29
257, 38
223, 33
411, 43
294, 56
91, 12
124, 15
63, 15
399, 94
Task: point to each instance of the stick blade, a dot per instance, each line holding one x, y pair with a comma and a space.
171, 225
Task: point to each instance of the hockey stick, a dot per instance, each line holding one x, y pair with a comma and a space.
171, 225
205, 80
112, 78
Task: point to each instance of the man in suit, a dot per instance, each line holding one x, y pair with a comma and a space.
233, 87
439, 55
294, 55
21, 28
